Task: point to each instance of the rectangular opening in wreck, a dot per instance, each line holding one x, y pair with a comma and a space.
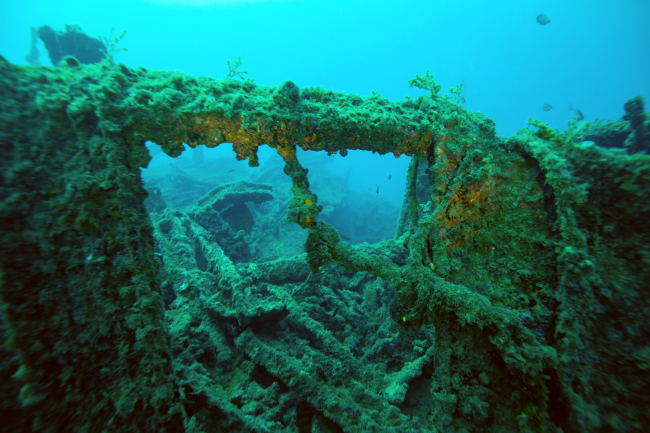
361, 193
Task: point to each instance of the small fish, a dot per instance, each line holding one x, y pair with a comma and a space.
389, 176
230, 171
345, 237
576, 113
546, 107
462, 100
543, 19
377, 190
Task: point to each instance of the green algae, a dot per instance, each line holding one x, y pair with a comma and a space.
527, 255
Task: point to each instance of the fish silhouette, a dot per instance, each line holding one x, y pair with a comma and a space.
546, 107
543, 19
576, 113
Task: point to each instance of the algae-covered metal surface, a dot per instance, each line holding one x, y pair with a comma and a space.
514, 296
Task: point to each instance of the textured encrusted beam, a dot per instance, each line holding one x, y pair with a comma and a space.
170, 108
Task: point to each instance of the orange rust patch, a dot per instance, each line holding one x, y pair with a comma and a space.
481, 202
310, 138
286, 152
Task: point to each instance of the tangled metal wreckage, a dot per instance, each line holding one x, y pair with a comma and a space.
514, 296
